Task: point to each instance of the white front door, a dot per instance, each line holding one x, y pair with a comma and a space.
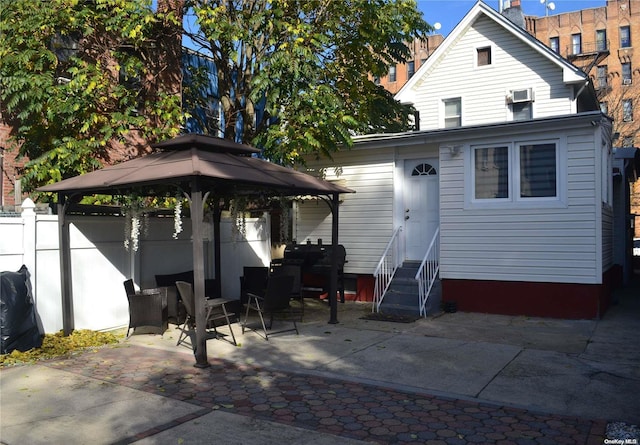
421, 205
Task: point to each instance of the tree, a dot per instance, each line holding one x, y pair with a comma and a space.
622, 105
83, 80
293, 76
83, 83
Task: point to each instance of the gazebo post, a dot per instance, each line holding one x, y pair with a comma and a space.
66, 288
333, 282
217, 215
198, 275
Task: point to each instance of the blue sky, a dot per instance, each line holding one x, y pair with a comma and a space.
449, 12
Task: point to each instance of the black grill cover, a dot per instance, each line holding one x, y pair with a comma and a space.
20, 326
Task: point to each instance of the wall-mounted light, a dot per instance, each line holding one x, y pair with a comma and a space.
454, 150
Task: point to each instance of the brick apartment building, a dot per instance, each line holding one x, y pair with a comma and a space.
8, 171
598, 40
399, 74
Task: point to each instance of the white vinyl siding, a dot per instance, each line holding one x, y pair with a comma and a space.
366, 217
545, 244
607, 239
514, 66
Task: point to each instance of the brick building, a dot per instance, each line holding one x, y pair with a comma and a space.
400, 73
8, 171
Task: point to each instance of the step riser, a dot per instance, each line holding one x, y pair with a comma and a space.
402, 297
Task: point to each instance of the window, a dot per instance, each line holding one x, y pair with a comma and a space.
452, 112
376, 80
554, 44
627, 141
538, 170
518, 172
626, 73
392, 73
491, 171
601, 40
423, 170
601, 76
576, 44
411, 69
483, 56
522, 111
627, 110
625, 37
604, 107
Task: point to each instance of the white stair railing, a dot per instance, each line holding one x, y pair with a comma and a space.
385, 270
428, 271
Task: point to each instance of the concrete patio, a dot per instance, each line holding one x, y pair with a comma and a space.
454, 378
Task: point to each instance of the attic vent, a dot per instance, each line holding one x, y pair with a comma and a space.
516, 96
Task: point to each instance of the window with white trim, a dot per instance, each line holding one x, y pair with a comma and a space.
452, 112
521, 104
538, 170
491, 172
515, 172
483, 56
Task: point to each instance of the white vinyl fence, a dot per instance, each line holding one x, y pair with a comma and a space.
100, 263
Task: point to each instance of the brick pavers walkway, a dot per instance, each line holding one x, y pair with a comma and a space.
343, 408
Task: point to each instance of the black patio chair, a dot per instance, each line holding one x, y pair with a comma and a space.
294, 270
275, 304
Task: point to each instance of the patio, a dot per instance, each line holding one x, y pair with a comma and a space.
205, 170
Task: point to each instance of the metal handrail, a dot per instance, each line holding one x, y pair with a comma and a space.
428, 271
385, 270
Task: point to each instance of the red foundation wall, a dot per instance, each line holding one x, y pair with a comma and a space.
555, 300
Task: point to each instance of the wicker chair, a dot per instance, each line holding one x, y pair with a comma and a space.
147, 310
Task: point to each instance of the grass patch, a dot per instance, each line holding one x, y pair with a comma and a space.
59, 345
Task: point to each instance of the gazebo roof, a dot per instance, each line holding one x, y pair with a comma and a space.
219, 164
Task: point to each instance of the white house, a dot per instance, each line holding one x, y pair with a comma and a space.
510, 175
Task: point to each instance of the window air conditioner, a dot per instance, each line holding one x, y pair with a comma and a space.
626, 81
525, 95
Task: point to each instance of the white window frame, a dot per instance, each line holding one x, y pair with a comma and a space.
472, 158
510, 103
443, 116
492, 53
517, 177
514, 200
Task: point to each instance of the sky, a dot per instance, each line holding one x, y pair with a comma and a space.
449, 12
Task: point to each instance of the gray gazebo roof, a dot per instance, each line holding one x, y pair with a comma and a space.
193, 164
223, 166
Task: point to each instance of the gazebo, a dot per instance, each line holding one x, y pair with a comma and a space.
202, 168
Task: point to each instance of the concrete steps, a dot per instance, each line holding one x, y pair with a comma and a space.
402, 297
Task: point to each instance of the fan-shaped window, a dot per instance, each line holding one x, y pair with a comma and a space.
423, 170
